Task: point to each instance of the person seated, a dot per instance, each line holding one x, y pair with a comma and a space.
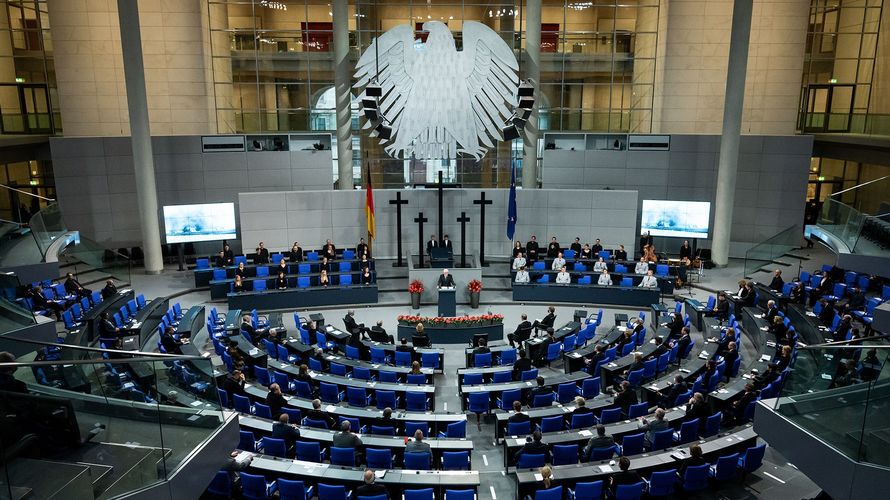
522, 276
843, 328
532, 249
107, 328
598, 354
798, 294
323, 279
685, 251
275, 400
534, 446
241, 271
847, 374
262, 254
586, 253
826, 316
282, 267
386, 421
597, 247
40, 301
317, 414
723, 341
547, 322
367, 278
684, 341
238, 284
362, 248
697, 408
621, 253
695, 460
539, 390
296, 253
581, 406
110, 290
721, 308
778, 328
220, 260
417, 445
169, 342
750, 298
563, 277
669, 394
281, 281
403, 346
329, 250
325, 265
553, 249
378, 333
369, 488
771, 311
420, 338
518, 417
283, 429
234, 383
519, 261
599, 441
522, 364
625, 397
605, 278
600, 265
558, 262
649, 281
517, 248
783, 358
482, 348
651, 427
576, 246
777, 282
73, 287
351, 325
736, 411
346, 439
230, 255
642, 266
855, 303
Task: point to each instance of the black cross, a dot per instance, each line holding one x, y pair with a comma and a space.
398, 202
441, 218
482, 202
463, 219
420, 219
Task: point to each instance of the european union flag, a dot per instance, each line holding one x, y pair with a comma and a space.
511, 207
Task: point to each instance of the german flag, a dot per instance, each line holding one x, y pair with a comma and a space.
369, 208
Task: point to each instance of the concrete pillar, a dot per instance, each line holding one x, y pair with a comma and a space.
727, 168
532, 65
143, 159
342, 84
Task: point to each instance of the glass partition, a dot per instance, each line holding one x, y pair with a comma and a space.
136, 415
839, 394
13, 314
770, 249
89, 256
854, 216
46, 226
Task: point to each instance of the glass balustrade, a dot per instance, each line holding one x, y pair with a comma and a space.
853, 216
772, 248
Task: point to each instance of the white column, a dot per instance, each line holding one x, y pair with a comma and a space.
531, 64
342, 84
727, 168
143, 160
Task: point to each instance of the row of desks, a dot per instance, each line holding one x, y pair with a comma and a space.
220, 288
297, 298
204, 276
523, 385
588, 294
665, 283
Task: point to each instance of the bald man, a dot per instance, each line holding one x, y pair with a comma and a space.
370, 488
445, 279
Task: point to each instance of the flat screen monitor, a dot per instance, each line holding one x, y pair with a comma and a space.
201, 222
680, 219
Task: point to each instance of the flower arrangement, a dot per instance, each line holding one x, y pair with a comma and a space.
415, 286
459, 321
474, 286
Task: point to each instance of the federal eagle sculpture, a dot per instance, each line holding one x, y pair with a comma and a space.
435, 101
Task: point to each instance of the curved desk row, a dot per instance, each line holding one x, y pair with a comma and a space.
587, 294
452, 334
495, 390
203, 276
665, 283
220, 288
304, 297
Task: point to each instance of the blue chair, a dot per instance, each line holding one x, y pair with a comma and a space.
303, 282
696, 478
751, 459
273, 446
332, 492
337, 369
610, 416
353, 352
627, 282
259, 285
519, 428
482, 360
303, 389
632, 444
221, 485
662, 439
543, 400
529, 374
688, 432
345, 279
383, 431
582, 421
424, 494
293, 490
725, 468
566, 392
552, 424
538, 265
343, 456
329, 393
606, 453
345, 267
505, 402
416, 401
247, 441
292, 413
357, 396
255, 487
544, 279
661, 270
378, 355
568, 344
530, 461
262, 411
662, 484
386, 399
412, 427
403, 358
379, 458
630, 491
460, 494
242, 404
479, 402
388, 376
583, 280
202, 263
649, 368
362, 373
712, 425
564, 454
637, 410
569, 254
554, 493
223, 398
502, 377
456, 460
219, 274
430, 360
587, 491
417, 461
455, 430
309, 451
554, 351
590, 387
262, 375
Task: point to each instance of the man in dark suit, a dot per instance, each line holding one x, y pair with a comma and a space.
684, 341
676, 325
535, 447
107, 328
378, 334
432, 244
522, 364
522, 333
697, 408
539, 390
483, 347
352, 326
721, 308
541, 353
601, 440
169, 342
73, 287
547, 322
284, 430
229, 254
625, 397
262, 254
624, 476
446, 244
220, 260
109, 291
370, 488
329, 250
275, 400
316, 413
361, 248
596, 248
553, 248
660, 348
531, 249
771, 312
670, 394
599, 353
8, 382
41, 302
777, 282
576, 247
518, 417
445, 279
404, 347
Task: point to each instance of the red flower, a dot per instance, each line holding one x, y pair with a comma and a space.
474, 286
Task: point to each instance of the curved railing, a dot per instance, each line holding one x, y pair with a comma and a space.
854, 217
772, 248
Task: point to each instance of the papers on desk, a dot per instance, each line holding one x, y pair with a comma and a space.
653, 387
826, 376
196, 403
538, 477
329, 328
330, 408
243, 457
704, 355
684, 370
611, 365
520, 442
253, 352
605, 468
528, 383
312, 374
764, 328
622, 328
379, 473
585, 433
765, 358
811, 314
722, 391
574, 355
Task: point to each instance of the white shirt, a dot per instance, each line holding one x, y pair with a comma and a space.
599, 266
522, 277
558, 263
563, 277
605, 279
642, 268
648, 282
518, 262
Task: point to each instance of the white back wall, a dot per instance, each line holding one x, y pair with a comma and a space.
310, 217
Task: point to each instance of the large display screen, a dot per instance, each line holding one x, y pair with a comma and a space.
681, 219
203, 222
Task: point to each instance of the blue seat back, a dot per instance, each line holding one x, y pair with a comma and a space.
632, 444
592, 490
629, 491
329, 393
388, 376
345, 279
403, 358
309, 451
379, 458
627, 282
361, 373
502, 377
412, 427
415, 401
482, 360
752, 458
696, 478
291, 490
662, 439
688, 431
519, 428
590, 387
331, 492
566, 392
602, 453
530, 461
712, 425
479, 402
273, 446
637, 410
529, 374
552, 424
429, 360
417, 461
219, 274
564, 454
508, 397
725, 468
610, 415
455, 460
554, 493
543, 400
582, 420
343, 456
661, 484
415, 379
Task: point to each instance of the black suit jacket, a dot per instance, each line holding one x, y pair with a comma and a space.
370, 490
446, 280
521, 365
777, 283
523, 331
430, 245
378, 334
683, 344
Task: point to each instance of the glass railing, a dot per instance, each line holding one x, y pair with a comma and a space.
772, 248
13, 315
89, 256
123, 420
841, 220
846, 123
46, 226
853, 216
839, 394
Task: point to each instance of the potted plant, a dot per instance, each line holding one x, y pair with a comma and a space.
415, 289
475, 288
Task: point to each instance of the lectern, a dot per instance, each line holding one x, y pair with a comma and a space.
441, 258
447, 308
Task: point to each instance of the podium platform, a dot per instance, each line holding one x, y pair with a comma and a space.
447, 304
429, 276
441, 258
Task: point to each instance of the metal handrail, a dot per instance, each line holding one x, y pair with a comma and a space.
859, 186
157, 355
843, 344
18, 364
27, 193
